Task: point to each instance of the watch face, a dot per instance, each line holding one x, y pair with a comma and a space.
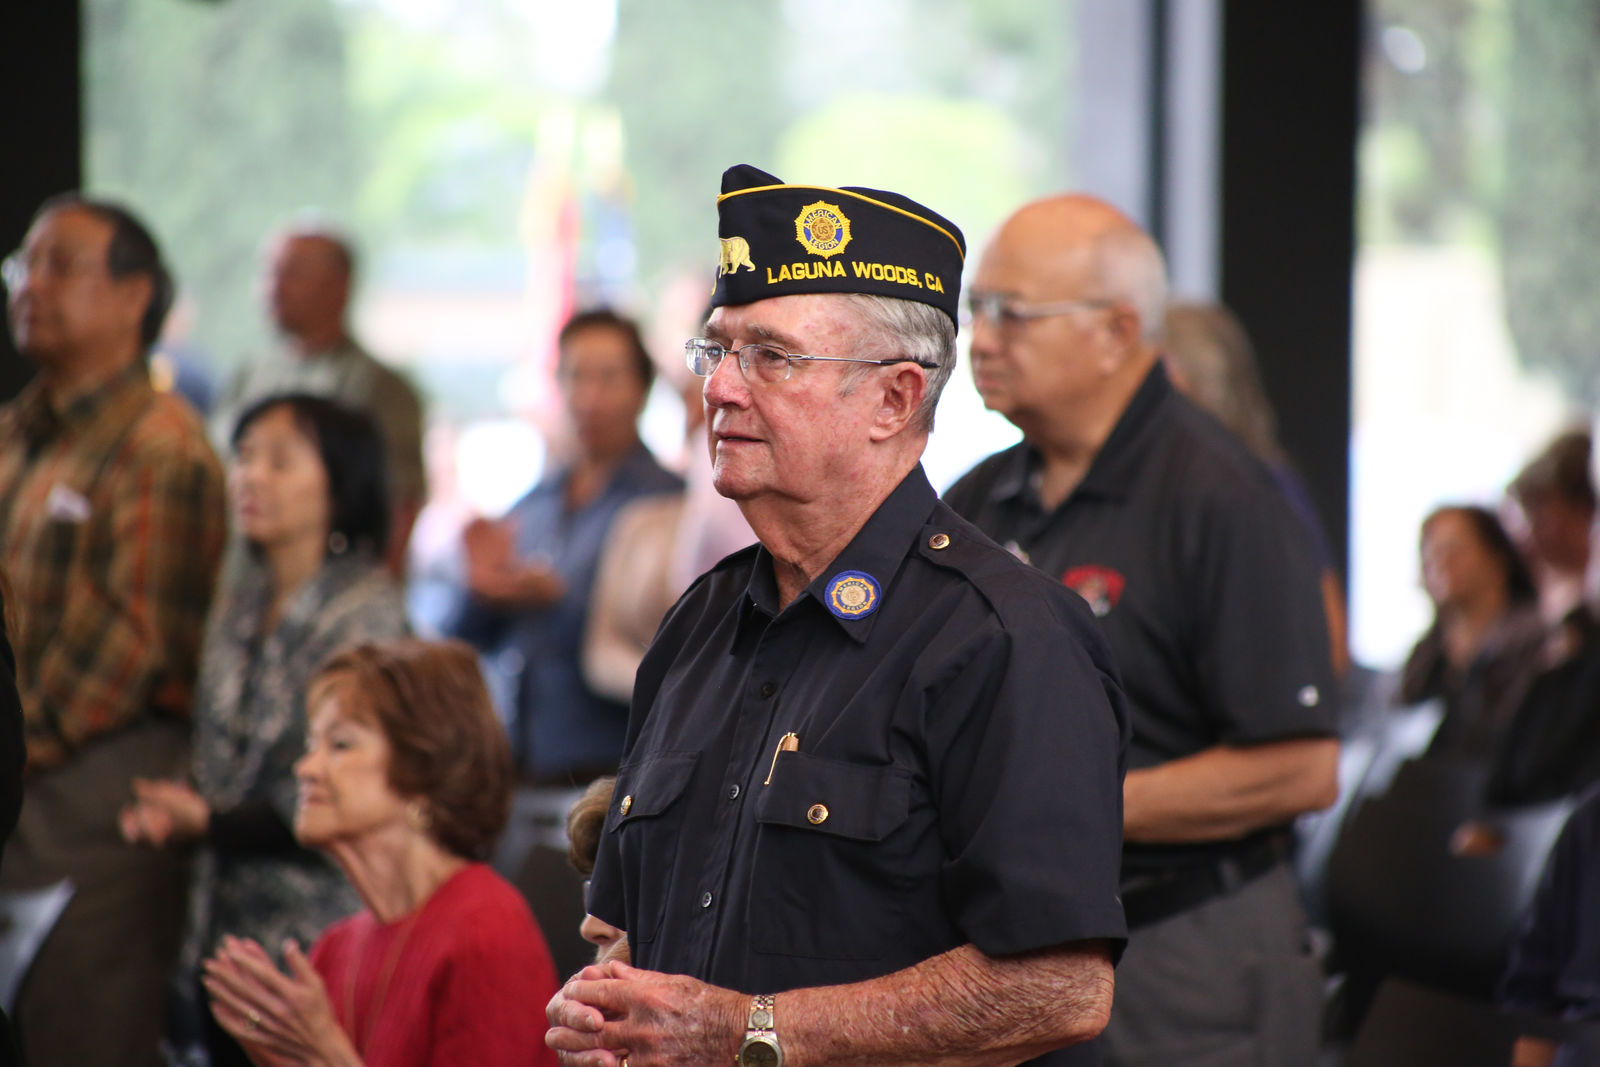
758, 1052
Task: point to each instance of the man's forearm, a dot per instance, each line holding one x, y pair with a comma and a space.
1225, 792
959, 1008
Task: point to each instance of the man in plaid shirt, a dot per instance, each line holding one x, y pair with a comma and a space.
111, 526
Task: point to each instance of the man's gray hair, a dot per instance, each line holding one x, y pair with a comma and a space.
906, 329
1128, 267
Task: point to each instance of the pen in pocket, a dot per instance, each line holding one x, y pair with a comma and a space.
789, 742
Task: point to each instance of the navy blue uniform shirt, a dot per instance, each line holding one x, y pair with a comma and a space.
956, 773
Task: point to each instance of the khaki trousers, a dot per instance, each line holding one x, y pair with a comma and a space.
1231, 983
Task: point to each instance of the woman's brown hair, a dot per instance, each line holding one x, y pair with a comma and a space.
449, 751
585, 821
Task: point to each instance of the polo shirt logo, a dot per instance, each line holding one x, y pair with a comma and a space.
1100, 587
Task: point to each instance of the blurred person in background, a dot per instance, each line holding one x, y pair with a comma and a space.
1211, 361
1206, 587
111, 526
405, 782
1552, 508
529, 575
1552, 748
658, 545
307, 493
1484, 646
1554, 969
585, 823
13, 754
309, 280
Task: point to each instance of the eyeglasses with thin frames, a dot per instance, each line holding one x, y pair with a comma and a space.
1008, 313
767, 363
55, 264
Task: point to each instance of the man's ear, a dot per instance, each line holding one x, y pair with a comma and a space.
1123, 333
904, 387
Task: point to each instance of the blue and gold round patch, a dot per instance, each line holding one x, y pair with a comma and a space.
853, 594
822, 229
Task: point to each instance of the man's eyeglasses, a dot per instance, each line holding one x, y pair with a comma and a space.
59, 265
764, 362
1001, 309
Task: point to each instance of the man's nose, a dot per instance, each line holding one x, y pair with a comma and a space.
726, 387
984, 333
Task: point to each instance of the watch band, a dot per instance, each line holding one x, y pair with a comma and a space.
760, 1047
761, 1012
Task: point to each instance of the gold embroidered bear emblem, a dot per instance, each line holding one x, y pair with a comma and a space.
735, 254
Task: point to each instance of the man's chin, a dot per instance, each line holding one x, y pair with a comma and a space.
730, 483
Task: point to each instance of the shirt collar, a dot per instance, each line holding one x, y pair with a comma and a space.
1112, 470
877, 550
41, 418
636, 466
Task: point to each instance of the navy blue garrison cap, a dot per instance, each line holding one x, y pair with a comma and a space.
780, 239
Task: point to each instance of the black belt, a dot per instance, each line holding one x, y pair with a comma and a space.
1148, 899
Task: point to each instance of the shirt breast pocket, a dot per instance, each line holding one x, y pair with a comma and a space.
833, 866
647, 818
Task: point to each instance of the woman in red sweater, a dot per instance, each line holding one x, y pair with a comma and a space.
405, 783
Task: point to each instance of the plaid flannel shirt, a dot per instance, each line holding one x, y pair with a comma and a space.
112, 527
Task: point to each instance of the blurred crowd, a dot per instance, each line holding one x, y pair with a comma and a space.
249, 790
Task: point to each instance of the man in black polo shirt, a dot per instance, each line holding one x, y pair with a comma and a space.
1178, 540
873, 767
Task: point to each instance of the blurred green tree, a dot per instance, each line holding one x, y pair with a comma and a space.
1549, 217
215, 121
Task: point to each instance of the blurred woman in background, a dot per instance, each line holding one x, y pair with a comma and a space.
1211, 361
1484, 646
307, 493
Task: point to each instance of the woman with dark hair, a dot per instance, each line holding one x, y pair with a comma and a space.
406, 783
307, 493
1485, 642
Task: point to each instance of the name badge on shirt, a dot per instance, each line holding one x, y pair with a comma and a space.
66, 505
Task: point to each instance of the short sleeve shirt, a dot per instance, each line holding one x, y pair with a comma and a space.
560, 724
952, 773
1204, 582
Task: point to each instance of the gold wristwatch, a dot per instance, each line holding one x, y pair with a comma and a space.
760, 1047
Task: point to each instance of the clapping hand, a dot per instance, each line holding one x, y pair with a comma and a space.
278, 1018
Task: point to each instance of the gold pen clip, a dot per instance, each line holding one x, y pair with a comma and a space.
789, 742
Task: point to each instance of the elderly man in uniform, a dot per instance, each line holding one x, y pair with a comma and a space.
870, 802
1208, 592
